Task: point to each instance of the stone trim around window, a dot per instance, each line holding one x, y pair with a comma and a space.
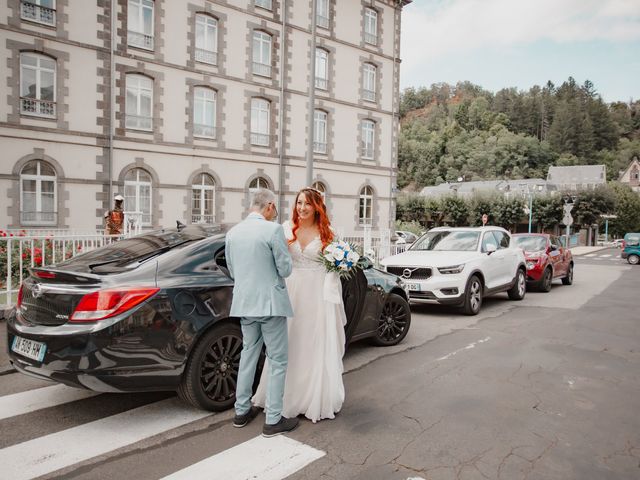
158, 30
274, 79
375, 214
274, 14
380, 33
121, 98
221, 64
13, 192
221, 108
156, 197
274, 107
13, 81
14, 18
218, 198
330, 32
361, 101
376, 141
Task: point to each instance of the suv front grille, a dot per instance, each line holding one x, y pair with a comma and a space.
47, 309
415, 273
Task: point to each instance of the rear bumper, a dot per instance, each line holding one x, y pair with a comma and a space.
624, 254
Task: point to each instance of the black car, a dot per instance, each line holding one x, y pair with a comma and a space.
152, 313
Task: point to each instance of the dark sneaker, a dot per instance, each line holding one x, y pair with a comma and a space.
240, 421
283, 426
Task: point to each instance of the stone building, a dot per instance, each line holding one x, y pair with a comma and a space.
184, 106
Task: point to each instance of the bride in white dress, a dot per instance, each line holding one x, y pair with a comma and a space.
313, 385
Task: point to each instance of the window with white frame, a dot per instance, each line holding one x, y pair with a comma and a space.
263, 4
369, 82
203, 193
39, 11
38, 194
37, 85
206, 39
365, 210
322, 13
320, 131
137, 195
368, 139
370, 26
256, 183
139, 103
260, 118
322, 69
140, 24
204, 112
261, 53
320, 187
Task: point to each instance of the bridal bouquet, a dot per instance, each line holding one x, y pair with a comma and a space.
342, 258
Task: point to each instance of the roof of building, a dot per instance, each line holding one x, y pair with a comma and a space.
634, 161
468, 188
577, 174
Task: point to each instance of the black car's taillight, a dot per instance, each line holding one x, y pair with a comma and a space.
104, 304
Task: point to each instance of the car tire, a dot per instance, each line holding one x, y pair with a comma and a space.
209, 379
633, 259
394, 322
568, 278
547, 279
472, 296
519, 288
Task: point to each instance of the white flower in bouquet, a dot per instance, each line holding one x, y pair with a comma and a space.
341, 257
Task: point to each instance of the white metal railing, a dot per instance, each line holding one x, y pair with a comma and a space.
197, 218
369, 95
138, 122
374, 244
38, 108
206, 56
260, 139
322, 83
140, 40
370, 38
319, 147
37, 13
322, 21
19, 252
261, 69
367, 153
202, 130
38, 218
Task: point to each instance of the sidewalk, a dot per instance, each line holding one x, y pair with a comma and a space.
577, 251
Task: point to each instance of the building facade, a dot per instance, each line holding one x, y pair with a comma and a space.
183, 107
631, 175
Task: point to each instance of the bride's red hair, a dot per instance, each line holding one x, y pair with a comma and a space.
321, 219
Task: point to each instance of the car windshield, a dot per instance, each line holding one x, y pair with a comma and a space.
448, 240
530, 244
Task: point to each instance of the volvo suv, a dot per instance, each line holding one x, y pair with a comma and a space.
460, 266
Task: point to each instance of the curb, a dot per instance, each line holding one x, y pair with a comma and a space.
594, 249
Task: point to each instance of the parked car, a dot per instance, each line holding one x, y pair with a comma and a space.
402, 236
631, 248
618, 243
546, 259
152, 313
460, 266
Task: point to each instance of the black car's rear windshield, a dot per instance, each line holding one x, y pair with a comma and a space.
448, 241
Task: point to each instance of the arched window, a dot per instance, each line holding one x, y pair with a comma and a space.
38, 200
320, 187
140, 24
206, 39
261, 53
139, 108
368, 139
370, 26
369, 82
203, 194
365, 210
258, 182
204, 112
37, 85
322, 69
137, 194
322, 13
320, 131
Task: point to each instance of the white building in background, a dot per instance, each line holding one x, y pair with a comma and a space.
184, 106
631, 175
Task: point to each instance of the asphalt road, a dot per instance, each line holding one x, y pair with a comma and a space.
545, 388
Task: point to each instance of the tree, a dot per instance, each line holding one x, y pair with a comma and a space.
455, 210
627, 210
508, 212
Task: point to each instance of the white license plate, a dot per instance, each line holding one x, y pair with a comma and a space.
413, 287
29, 348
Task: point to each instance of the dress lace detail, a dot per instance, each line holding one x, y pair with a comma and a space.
313, 385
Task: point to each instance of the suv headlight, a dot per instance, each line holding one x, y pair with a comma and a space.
451, 269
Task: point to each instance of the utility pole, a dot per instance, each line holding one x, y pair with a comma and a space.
312, 97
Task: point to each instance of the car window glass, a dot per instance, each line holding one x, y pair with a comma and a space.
487, 240
447, 240
533, 243
502, 239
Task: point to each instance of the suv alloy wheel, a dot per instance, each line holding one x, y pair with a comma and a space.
473, 296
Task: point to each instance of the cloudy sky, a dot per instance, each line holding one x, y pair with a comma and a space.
521, 43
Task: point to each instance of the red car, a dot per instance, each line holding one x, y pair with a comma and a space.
546, 259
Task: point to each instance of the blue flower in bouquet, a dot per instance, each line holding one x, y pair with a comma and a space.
341, 257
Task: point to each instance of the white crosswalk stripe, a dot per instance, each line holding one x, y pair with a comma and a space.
271, 459
52, 452
32, 400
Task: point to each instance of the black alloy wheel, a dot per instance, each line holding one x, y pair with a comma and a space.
472, 296
547, 278
209, 380
394, 321
519, 288
568, 279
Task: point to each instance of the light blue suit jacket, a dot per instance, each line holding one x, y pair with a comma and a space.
258, 260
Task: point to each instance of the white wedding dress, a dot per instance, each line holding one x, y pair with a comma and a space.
313, 385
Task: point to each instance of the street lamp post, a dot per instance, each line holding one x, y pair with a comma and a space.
606, 225
530, 194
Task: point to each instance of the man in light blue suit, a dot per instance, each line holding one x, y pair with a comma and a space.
258, 260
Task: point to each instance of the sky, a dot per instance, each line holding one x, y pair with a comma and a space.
521, 43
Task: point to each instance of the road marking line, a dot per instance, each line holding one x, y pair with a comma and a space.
468, 347
605, 256
590, 255
52, 452
271, 459
32, 400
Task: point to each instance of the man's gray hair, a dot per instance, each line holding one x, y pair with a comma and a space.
262, 197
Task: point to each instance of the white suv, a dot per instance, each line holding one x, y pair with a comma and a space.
460, 266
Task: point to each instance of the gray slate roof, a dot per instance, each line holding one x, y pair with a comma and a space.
578, 174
